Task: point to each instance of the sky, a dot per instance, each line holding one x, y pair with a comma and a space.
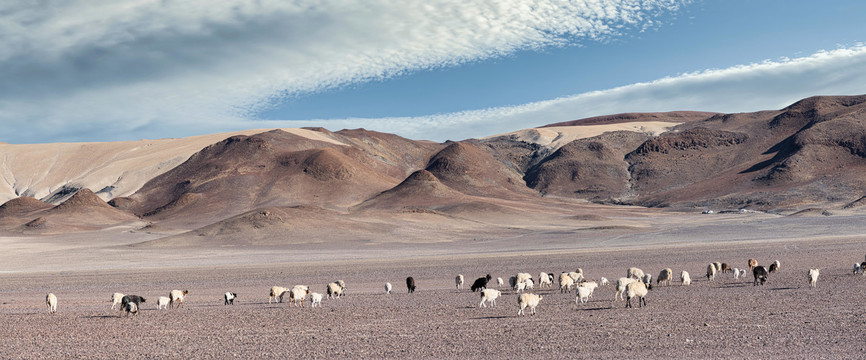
73, 71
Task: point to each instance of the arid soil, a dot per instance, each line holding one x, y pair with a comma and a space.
725, 318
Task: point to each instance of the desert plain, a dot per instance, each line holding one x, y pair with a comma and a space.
723, 318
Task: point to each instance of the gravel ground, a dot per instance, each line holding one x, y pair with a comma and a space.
725, 318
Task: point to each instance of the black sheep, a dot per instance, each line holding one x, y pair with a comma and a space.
480, 283
761, 274
410, 284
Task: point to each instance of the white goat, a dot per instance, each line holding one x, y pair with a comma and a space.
685, 278
176, 298
742, 273
736, 273
530, 300
583, 294
115, 300
335, 290
621, 285
459, 281
162, 302
543, 280
634, 273
277, 292
591, 285
315, 300
489, 296
711, 272
813, 277
499, 282
565, 282
299, 294
51, 301
603, 281
520, 287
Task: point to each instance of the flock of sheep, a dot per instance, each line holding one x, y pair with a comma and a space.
636, 284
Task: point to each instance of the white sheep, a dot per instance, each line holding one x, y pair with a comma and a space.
176, 298
520, 287
736, 273
229, 298
742, 273
530, 284
711, 272
388, 288
335, 291
591, 285
530, 300
499, 282
565, 282
813, 277
544, 280
718, 266
856, 268
634, 273
603, 281
298, 294
315, 300
277, 292
583, 294
576, 276
665, 276
685, 278
489, 296
115, 300
621, 285
636, 289
162, 302
522, 277
459, 281
51, 301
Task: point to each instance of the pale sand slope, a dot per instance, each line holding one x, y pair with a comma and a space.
38, 170
557, 136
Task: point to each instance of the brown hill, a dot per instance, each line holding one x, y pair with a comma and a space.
466, 168
671, 116
421, 190
277, 168
22, 206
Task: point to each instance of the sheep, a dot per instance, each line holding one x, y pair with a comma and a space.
512, 282
550, 277
736, 273
636, 289
603, 281
335, 291
752, 264
162, 302
718, 266
388, 288
342, 285
410, 284
685, 278
621, 285
577, 276
176, 297
863, 268
131, 303
726, 268
530, 300
813, 277
522, 277
51, 301
565, 282
856, 268
634, 273
480, 283
499, 282
583, 294
115, 300
315, 300
544, 279
230, 298
665, 276
711, 272
589, 287
489, 296
520, 287
277, 291
774, 266
742, 273
299, 294
530, 284
459, 281
761, 274
647, 279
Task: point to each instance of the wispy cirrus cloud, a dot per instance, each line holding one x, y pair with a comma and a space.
78, 69
768, 85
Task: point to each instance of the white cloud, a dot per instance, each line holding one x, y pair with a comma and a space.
75, 69
768, 85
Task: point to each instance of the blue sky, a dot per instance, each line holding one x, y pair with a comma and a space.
107, 71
